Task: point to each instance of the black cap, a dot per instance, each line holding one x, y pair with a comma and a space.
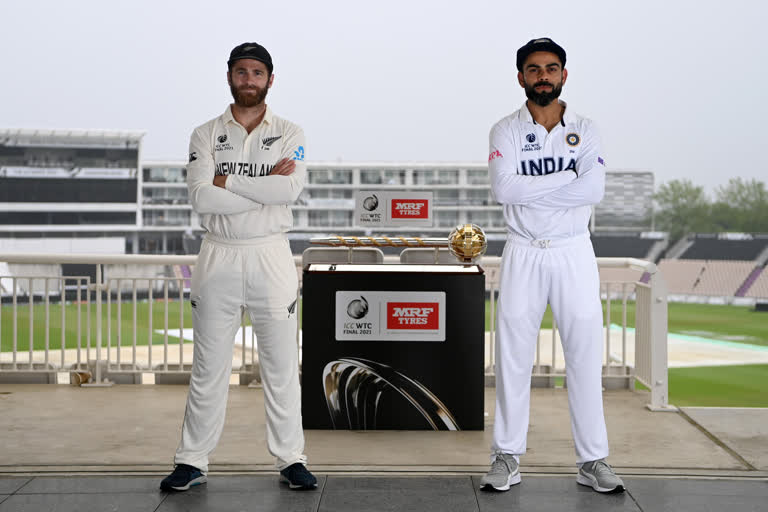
542, 44
251, 51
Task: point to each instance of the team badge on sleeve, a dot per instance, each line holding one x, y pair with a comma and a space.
299, 154
600, 160
494, 155
573, 139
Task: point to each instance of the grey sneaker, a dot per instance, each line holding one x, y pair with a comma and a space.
599, 476
504, 473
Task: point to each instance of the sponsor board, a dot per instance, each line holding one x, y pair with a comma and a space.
374, 208
390, 316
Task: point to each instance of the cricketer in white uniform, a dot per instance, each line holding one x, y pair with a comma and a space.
245, 169
546, 169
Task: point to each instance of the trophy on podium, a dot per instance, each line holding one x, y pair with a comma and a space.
466, 242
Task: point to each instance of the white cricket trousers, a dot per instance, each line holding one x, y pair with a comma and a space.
563, 273
259, 275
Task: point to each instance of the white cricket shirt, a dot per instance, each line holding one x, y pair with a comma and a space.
254, 203
532, 174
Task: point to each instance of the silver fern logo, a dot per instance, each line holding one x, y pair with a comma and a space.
268, 141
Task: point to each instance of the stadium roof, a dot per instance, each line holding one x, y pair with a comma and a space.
16, 136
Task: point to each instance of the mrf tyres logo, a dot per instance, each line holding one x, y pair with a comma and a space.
413, 315
357, 309
410, 208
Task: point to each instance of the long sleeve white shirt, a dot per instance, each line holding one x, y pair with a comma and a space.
254, 203
532, 174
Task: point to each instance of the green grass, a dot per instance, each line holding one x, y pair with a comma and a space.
70, 324
719, 386
726, 323
725, 386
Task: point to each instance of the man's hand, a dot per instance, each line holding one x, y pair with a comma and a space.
284, 167
220, 181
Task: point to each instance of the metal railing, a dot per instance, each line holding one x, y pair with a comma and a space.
129, 343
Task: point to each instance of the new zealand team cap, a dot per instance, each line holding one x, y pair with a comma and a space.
542, 44
250, 51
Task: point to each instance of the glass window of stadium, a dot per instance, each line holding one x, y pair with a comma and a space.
446, 218
382, 177
447, 197
332, 218
318, 219
329, 177
475, 177
477, 197
330, 193
481, 218
435, 177
165, 174
165, 196
320, 193
161, 243
167, 217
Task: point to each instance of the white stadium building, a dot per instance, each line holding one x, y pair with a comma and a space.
80, 188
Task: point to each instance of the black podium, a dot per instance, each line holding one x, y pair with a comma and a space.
393, 347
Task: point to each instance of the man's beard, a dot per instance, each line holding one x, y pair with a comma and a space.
544, 98
243, 99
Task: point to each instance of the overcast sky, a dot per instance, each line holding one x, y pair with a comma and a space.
675, 86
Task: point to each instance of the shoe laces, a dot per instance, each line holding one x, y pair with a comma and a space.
185, 469
500, 466
600, 467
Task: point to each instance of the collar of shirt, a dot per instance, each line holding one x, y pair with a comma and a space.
525, 115
227, 116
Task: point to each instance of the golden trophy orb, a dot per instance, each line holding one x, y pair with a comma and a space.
467, 242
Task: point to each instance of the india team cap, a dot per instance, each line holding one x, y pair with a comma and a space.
542, 44
250, 51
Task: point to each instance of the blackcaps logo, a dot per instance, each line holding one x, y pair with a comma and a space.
531, 137
193, 156
572, 139
358, 308
371, 202
222, 139
267, 142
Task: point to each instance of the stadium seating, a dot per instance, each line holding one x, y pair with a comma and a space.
682, 275
710, 247
723, 278
759, 288
619, 275
625, 246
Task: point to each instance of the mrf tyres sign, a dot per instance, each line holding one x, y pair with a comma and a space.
410, 208
391, 316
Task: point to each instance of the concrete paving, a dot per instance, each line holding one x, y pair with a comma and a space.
225, 493
66, 448
56, 428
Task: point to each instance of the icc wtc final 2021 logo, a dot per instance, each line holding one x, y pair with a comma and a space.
371, 202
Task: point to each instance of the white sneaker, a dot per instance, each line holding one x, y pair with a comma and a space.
598, 475
504, 473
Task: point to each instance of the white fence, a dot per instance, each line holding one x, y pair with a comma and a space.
131, 319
